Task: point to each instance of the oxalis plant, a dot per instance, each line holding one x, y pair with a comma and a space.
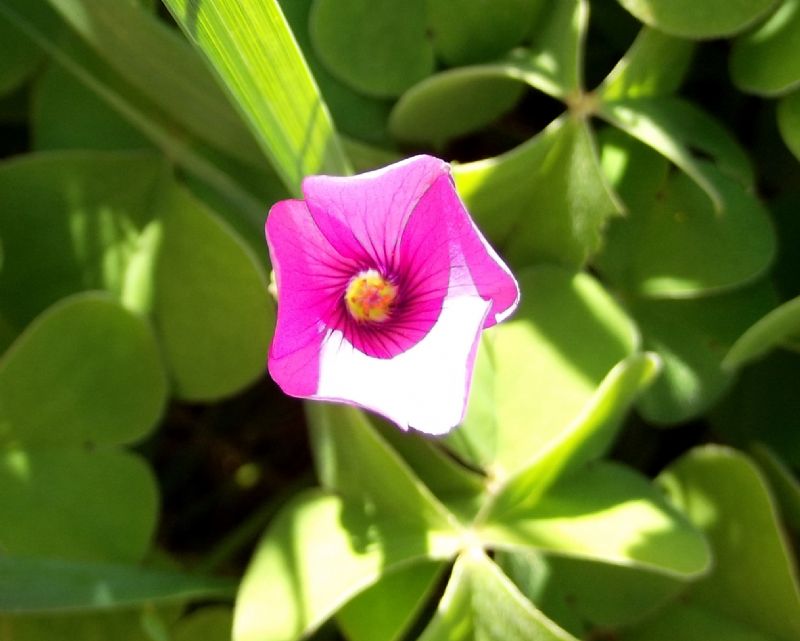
535, 275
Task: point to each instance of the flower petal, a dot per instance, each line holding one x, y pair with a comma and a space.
425, 387
363, 216
475, 268
311, 277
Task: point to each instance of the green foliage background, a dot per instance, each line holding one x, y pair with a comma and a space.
628, 465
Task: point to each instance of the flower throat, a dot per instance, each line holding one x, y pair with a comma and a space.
370, 297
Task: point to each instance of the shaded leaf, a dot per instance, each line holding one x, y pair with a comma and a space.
699, 20
30, 585
105, 504
692, 338
385, 611
765, 334
675, 128
377, 47
789, 122
752, 585
454, 103
766, 61
482, 29
545, 201
103, 385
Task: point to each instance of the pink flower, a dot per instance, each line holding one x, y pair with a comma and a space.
384, 286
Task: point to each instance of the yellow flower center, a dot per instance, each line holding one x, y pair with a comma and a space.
369, 297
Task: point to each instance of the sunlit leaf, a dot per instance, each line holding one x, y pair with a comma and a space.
356, 462
250, 46
482, 603
550, 358
604, 512
655, 64
317, 555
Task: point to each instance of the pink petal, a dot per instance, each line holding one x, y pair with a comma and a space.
311, 277
441, 218
363, 216
425, 387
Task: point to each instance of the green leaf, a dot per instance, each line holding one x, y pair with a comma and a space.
766, 334
699, 19
470, 31
86, 221
377, 47
454, 103
673, 244
211, 304
675, 128
655, 64
459, 488
594, 594
690, 623
39, 22
105, 385
104, 503
546, 200
549, 359
483, 604
356, 462
475, 440
763, 406
355, 114
587, 437
789, 122
30, 585
119, 31
558, 44
19, 57
118, 221
250, 46
317, 555
692, 338
766, 61
752, 583
385, 611
120, 625
604, 512
209, 624
66, 114
783, 483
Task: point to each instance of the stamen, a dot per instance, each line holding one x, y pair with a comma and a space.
370, 297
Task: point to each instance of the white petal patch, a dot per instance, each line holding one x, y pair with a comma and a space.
424, 388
